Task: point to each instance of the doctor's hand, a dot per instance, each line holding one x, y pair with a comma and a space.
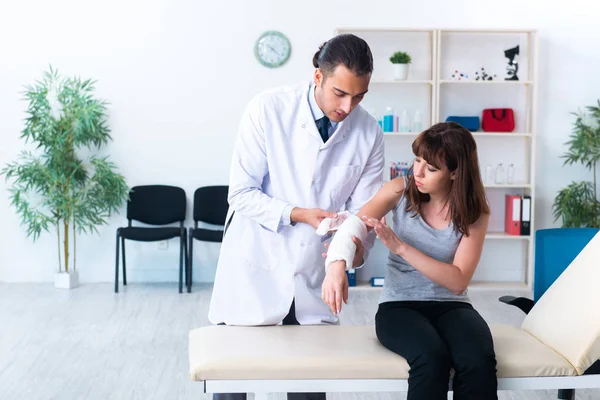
335, 286
385, 233
359, 255
312, 216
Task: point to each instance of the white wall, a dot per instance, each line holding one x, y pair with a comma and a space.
178, 74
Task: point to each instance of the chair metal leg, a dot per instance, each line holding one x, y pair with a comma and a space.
117, 265
187, 266
566, 394
191, 259
185, 262
181, 264
124, 273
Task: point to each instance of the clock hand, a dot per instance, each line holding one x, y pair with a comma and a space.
275, 51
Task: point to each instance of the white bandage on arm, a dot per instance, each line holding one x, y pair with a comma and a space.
342, 246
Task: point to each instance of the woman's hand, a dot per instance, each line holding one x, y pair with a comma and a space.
385, 233
335, 286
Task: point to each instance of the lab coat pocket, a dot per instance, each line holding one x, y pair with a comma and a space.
264, 248
249, 246
344, 180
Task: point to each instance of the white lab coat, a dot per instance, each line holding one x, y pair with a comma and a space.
279, 159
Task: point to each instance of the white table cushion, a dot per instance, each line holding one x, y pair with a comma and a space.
340, 352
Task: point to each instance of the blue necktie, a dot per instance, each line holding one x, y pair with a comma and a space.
323, 127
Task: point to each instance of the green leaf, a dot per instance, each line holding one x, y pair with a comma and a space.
400, 57
584, 143
576, 206
56, 185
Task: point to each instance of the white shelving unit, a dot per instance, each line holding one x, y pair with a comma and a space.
507, 262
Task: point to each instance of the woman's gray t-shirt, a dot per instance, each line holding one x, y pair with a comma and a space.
402, 281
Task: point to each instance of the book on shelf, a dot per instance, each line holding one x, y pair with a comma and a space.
517, 215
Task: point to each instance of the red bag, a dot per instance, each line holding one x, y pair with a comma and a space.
498, 120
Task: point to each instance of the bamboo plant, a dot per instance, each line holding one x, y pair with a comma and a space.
60, 184
578, 205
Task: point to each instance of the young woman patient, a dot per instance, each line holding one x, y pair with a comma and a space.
440, 217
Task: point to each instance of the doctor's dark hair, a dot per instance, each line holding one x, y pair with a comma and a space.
347, 49
449, 144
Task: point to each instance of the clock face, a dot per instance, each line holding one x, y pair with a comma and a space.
272, 49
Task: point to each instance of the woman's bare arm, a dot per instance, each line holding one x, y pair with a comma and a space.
384, 201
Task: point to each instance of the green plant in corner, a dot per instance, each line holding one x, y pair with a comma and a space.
400, 57
577, 205
59, 184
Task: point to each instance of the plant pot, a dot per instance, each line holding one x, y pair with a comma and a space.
66, 280
401, 71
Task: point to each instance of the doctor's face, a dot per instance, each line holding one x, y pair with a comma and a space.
339, 92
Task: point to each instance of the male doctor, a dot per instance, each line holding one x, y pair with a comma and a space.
303, 152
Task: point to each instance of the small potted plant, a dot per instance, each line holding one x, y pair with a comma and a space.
62, 184
401, 61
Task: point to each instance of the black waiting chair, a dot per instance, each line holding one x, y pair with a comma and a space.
210, 207
156, 205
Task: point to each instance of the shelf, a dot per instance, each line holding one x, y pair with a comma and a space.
497, 236
498, 82
505, 236
493, 186
489, 31
365, 286
384, 30
476, 134
509, 186
498, 286
502, 134
407, 81
400, 133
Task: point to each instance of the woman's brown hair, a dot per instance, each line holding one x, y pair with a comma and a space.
451, 145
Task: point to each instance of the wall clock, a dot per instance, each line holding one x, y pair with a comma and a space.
272, 49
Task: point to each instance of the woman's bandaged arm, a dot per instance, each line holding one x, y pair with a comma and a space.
342, 247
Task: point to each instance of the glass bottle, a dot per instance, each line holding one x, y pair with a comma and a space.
417, 124
499, 174
405, 122
510, 174
489, 174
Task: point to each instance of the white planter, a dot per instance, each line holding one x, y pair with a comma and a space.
64, 280
401, 71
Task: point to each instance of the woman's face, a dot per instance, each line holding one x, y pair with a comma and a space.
430, 179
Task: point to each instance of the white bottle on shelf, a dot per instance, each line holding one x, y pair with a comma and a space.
510, 174
405, 122
499, 174
489, 174
417, 124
